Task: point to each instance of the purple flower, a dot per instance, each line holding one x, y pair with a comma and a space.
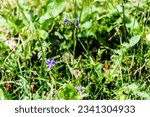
79, 89
49, 63
66, 21
76, 22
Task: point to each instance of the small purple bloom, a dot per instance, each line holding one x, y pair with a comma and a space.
76, 22
65, 21
49, 63
79, 89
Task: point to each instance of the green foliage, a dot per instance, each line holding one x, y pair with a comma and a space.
134, 40
2, 97
105, 56
68, 92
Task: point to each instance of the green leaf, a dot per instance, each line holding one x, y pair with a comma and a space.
144, 95
87, 25
2, 97
134, 40
42, 34
68, 92
44, 17
133, 87
53, 9
56, 7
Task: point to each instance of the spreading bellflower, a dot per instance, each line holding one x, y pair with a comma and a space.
49, 63
76, 22
79, 89
66, 21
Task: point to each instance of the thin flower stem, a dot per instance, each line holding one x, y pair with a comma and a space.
75, 42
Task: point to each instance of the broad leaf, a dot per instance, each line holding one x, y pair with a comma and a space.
134, 40
55, 8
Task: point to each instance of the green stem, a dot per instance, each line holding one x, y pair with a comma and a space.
75, 43
124, 22
74, 30
21, 9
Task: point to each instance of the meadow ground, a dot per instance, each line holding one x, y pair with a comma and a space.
74, 49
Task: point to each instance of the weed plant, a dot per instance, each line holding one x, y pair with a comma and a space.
74, 49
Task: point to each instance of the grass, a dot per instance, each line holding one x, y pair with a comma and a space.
100, 52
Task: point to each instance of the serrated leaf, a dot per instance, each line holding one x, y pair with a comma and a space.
134, 40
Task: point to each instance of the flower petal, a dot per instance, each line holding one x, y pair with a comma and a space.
77, 22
